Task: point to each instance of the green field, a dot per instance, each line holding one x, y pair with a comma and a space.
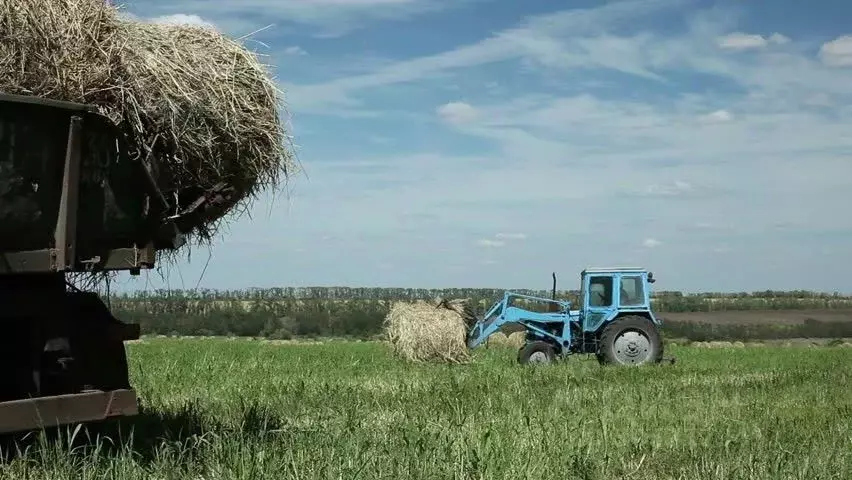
239, 409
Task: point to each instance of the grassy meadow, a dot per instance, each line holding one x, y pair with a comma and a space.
239, 409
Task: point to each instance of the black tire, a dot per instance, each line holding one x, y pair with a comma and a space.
536, 352
647, 347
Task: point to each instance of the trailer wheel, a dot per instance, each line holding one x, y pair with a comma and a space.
536, 352
630, 340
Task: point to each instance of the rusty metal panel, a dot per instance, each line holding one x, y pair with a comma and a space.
66, 225
39, 261
117, 208
42, 412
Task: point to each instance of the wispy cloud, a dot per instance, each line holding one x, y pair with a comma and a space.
295, 50
511, 236
324, 18
675, 188
536, 39
457, 112
747, 41
489, 243
183, 19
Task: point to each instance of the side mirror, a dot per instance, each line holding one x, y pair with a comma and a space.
651, 278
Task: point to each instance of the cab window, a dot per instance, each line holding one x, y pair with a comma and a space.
632, 291
600, 292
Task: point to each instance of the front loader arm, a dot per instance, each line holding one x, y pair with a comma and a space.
501, 314
486, 326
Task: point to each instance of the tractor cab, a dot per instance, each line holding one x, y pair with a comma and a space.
608, 293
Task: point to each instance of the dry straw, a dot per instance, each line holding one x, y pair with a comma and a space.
512, 340
202, 104
430, 331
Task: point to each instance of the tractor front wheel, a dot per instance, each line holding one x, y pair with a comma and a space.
536, 352
630, 340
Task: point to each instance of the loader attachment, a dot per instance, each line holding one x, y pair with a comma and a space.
504, 316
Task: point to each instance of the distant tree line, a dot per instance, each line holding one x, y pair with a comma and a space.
359, 312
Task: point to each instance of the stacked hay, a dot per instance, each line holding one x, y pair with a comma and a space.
200, 103
430, 331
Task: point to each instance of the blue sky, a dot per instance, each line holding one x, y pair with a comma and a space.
490, 142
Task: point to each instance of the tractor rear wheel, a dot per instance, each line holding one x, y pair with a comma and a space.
536, 352
630, 340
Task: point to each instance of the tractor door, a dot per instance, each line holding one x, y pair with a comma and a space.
598, 301
632, 294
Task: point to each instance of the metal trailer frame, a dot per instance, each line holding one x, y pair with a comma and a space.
93, 405
62, 257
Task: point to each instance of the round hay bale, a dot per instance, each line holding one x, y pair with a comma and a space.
198, 105
513, 340
427, 331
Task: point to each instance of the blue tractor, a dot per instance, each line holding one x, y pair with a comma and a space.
614, 321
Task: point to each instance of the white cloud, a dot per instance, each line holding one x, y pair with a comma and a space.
295, 50
511, 236
712, 226
746, 41
651, 243
837, 52
487, 242
183, 19
677, 187
718, 116
779, 39
499, 240
458, 113
741, 41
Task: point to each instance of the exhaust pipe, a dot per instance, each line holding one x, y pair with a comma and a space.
553, 294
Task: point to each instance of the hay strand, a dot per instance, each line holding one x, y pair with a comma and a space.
429, 331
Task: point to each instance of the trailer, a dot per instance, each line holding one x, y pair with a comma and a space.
73, 200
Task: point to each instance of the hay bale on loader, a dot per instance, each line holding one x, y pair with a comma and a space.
434, 331
197, 106
513, 340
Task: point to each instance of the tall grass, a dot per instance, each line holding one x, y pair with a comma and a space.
215, 408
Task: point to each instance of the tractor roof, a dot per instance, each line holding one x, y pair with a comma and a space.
615, 270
